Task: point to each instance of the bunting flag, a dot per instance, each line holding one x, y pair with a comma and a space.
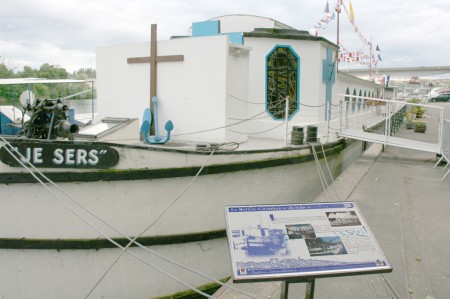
326, 18
379, 57
327, 8
365, 43
352, 14
378, 48
359, 56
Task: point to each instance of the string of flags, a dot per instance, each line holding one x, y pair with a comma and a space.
324, 21
327, 18
359, 56
346, 56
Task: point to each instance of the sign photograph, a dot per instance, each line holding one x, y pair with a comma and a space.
301, 241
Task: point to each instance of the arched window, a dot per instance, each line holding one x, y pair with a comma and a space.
283, 80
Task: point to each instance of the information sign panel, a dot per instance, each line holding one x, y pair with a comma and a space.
301, 241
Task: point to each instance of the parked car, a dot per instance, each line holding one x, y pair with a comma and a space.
441, 98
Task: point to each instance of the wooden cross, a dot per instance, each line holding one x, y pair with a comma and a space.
153, 60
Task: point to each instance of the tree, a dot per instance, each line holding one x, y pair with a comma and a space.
84, 73
5, 72
49, 71
28, 72
9, 93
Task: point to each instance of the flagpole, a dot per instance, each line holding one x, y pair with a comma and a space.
370, 65
338, 11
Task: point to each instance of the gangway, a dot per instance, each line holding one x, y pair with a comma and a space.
383, 121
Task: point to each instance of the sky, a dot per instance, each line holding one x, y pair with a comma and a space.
66, 32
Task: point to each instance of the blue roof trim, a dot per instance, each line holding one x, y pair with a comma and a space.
207, 28
236, 38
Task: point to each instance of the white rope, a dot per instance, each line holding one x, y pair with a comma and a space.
333, 185
223, 127
320, 172
112, 227
153, 223
248, 102
97, 230
261, 132
148, 227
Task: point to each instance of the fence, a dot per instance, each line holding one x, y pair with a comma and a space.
389, 122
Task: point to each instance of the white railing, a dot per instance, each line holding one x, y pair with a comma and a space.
386, 121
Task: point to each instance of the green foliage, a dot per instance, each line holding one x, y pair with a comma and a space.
52, 72
417, 110
409, 116
9, 94
414, 100
84, 73
420, 124
28, 72
5, 72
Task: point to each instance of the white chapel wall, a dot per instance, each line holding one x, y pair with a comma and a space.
191, 93
312, 90
237, 93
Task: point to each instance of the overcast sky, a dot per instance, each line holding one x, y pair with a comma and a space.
67, 32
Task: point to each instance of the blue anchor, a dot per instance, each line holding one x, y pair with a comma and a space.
146, 124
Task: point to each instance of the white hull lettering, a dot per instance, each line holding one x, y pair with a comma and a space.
63, 156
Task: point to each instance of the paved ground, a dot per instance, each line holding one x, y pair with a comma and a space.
407, 207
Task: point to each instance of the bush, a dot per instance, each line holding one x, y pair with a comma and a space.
414, 100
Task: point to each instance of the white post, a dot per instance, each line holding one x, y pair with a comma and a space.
286, 122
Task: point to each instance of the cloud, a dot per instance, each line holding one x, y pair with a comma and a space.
33, 32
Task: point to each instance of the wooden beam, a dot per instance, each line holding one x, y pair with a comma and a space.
153, 56
167, 58
153, 59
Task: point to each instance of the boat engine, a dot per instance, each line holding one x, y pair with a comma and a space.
48, 121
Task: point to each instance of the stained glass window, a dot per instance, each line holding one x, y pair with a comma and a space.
283, 67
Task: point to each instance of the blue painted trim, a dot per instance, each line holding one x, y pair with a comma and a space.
7, 126
235, 38
298, 81
207, 28
329, 77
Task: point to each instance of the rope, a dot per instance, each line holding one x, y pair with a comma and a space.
258, 118
148, 227
112, 227
319, 170
256, 133
223, 127
280, 103
248, 102
89, 224
329, 172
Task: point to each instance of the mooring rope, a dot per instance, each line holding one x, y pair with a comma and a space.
99, 231
112, 227
322, 178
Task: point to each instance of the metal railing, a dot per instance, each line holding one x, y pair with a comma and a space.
391, 122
